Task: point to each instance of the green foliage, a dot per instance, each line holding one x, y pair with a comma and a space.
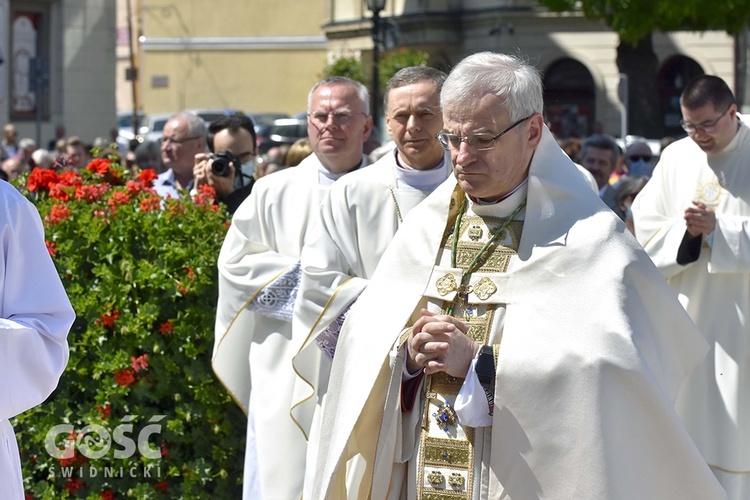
396, 60
634, 19
349, 65
141, 276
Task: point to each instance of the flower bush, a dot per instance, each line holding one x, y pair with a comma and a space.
141, 275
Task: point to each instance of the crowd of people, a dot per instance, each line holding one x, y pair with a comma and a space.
475, 310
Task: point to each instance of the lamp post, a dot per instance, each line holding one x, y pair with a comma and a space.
376, 6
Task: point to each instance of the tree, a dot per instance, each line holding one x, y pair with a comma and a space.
635, 21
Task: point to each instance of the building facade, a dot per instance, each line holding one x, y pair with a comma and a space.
577, 56
260, 56
57, 69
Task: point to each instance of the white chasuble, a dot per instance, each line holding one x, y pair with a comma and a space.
35, 318
591, 350
358, 219
258, 278
714, 289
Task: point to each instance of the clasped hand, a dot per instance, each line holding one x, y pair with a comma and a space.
439, 343
700, 220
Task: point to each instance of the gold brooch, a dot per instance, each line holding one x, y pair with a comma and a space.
485, 288
436, 478
475, 232
446, 284
456, 480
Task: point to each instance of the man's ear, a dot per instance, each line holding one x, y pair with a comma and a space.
536, 126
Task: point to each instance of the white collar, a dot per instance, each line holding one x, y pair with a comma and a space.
422, 180
326, 177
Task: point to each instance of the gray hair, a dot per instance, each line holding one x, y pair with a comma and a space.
196, 127
331, 81
411, 75
503, 75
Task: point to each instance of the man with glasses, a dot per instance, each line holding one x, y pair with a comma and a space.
693, 218
358, 218
259, 276
183, 137
514, 342
229, 166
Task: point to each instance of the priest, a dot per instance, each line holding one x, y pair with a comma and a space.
258, 281
693, 218
515, 341
358, 217
36, 317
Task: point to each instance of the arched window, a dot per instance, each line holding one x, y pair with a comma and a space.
569, 96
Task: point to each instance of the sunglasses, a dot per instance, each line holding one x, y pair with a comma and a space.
639, 157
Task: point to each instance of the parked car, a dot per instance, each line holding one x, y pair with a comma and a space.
264, 119
280, 132
211, 114
152, 130
125, 132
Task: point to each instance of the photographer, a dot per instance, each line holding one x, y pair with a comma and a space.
228, 168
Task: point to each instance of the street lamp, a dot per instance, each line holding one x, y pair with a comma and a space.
376, 6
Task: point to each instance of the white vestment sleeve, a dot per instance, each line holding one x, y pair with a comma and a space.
35, 317
471, 404
730, 252
659, 226
248, 262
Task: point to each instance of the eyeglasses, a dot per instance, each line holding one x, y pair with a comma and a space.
480, 142
172, 140
708, 128
320, 118
646, 158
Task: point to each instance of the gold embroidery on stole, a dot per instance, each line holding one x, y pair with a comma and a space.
446, 448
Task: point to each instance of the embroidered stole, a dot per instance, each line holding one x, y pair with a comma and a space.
446, 448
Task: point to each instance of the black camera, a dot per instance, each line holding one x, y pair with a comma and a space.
221, 161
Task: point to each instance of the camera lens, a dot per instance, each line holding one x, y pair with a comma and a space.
220, 164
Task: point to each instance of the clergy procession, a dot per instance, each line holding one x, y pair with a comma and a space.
472, 312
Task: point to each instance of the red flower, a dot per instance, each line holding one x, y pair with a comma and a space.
190, 273
134, 187
119, 198
90, 193
206, 195
41, 179
99, 166
147, 176
70, 178
59, 192
51, 248
110, 318
125, 377
164, 449
107, 495
104, 410
58, 214
73, 485
161, 486
140, 363
150, 202
166, 327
